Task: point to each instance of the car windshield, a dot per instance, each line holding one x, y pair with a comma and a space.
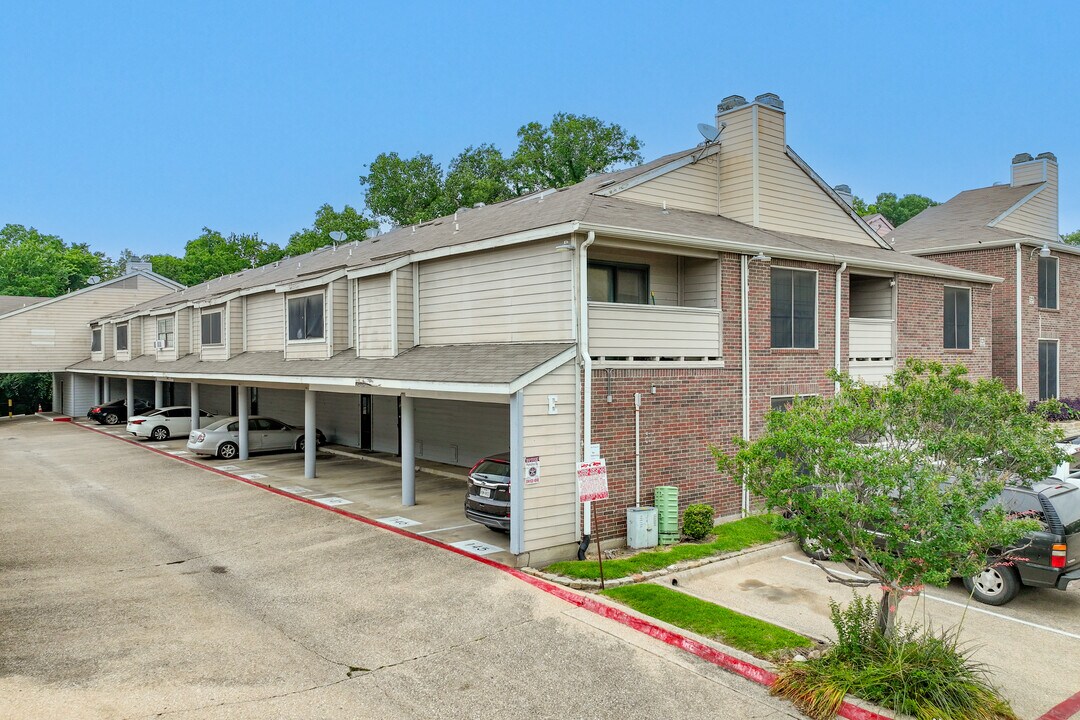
493, 470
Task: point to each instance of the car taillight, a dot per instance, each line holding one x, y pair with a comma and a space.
97, 409
199, 437
137, 422
1057, 556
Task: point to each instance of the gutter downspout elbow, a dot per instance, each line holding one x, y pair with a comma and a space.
837, 309
1019, 321
586, 366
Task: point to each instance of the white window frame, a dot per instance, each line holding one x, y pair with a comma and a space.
96, 338
774, 398
167, 333
305, 341
127, 337
971, 316
1057, 284
817, 307
221, 328
1057, 375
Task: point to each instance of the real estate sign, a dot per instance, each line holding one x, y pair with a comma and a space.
592, 480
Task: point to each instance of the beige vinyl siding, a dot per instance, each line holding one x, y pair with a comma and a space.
311, 349
340, 294
737, 172
1029, 173
236, 326
700, 280
108, 340
265, 315
551, 504
460, 433
149, 334
692, 187
24, 350
215, 352
871, 297
135, 337
373, 317
405, 309
384, 427
196, 330
1037, 217
663, 270
183, 331
514, 294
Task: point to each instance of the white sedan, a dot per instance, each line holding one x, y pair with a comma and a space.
166, 422
222, 438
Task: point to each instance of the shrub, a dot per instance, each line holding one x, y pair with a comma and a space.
697, 521
915, 672
1057, 410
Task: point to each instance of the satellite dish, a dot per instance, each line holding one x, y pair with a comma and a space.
709, 132
338, 236
372, 233
93, 280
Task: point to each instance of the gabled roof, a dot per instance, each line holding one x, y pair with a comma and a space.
964, 221
160, 279
8, 303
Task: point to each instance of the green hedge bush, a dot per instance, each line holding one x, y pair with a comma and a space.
697, 521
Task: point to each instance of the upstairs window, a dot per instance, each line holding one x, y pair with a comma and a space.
618, 283
95, 340
165, 333
121, 337
957, 318
793, 313
1048, 283
306, 317
211, 328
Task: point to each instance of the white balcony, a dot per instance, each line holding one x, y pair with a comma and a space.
625, 331
870, 349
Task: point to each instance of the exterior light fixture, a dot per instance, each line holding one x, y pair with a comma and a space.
566, 246
761, 256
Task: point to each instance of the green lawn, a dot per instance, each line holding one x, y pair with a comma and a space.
756, 637
754, 530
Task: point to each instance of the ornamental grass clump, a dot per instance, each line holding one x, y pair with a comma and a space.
915, 672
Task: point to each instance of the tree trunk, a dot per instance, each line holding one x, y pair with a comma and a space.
890, 601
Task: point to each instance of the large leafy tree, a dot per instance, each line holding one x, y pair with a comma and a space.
897, 210
896, 477
1072, 238
212, 255
571, 148
33, 263
327, 220
405, 191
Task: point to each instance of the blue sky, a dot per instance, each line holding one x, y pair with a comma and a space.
133, 125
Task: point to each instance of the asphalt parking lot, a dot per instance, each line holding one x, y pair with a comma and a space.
368, 487
1031, 645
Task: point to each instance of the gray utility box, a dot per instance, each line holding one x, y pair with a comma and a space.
641, 527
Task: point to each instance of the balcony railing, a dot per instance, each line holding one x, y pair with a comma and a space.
624, 331
870, 349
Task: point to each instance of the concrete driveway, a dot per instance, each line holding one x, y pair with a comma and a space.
133, 585
1031, 645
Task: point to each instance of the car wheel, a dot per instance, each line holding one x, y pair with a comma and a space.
160, 433
112, 419
228, 451
811, 547
994, 585
300, 444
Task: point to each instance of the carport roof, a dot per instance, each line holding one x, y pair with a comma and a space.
491, 367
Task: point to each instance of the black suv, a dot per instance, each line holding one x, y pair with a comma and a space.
115, 412
1046, 558
487, 499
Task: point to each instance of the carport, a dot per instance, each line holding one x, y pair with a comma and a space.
451, 404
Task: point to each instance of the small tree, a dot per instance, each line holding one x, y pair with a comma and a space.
896, 478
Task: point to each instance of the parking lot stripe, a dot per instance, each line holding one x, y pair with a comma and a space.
706, 652
971, 608
455, 527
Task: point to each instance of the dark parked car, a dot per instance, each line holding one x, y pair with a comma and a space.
115, 412
487, 499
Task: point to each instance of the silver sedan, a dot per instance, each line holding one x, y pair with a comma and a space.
222, 438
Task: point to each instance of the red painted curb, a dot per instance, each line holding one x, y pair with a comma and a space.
1063, 710
710, 654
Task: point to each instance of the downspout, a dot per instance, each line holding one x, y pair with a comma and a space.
586, 365
839, 276
744, 272
1019, 323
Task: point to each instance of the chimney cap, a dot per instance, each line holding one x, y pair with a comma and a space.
770, 99
843, 189
730, 103
1021, 157
1047, 156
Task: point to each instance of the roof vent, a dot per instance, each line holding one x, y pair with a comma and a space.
1021, 157
770, 99
730, 103
1047, 156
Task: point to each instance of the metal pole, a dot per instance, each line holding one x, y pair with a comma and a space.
130, 397
408, 453
637, 449
159, 393
194, 405
517, 475
599, 552
311, 446
243, 407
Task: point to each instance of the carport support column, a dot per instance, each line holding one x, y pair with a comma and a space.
159, 393
408, 453
311, 445
57, 400
517, 473
243, 407
130, 397
194, 405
